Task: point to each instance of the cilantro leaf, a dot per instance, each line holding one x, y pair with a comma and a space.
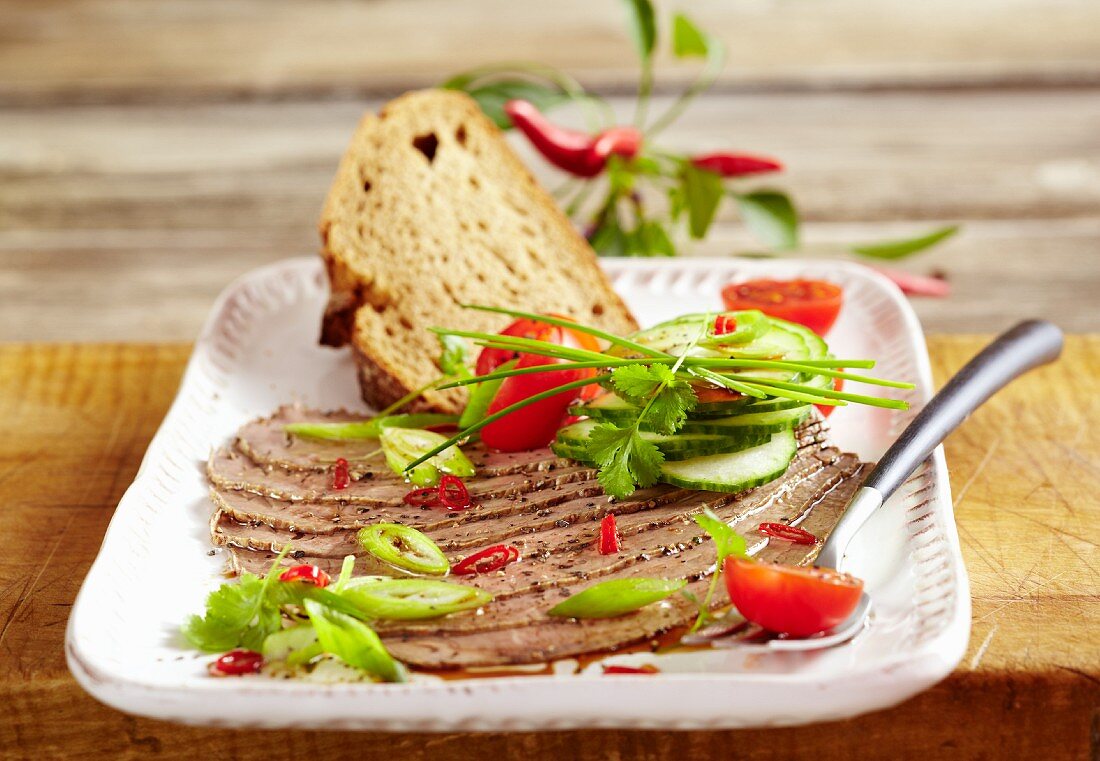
669, 408
625, 459
236, 615
636, 383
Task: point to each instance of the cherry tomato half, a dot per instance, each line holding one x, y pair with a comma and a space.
813, 303
536, 424
827, 409
533, 426
788, 599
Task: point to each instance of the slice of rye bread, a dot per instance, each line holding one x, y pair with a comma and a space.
430, 209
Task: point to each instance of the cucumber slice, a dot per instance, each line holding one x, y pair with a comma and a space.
573, 439
609, 407
757, 422
734, 472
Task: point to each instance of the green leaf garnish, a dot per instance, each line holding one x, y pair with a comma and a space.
687, 39
616, 597
238, 615
643, 27
702, 192
771, 216
625, 459
899, 249
727, 542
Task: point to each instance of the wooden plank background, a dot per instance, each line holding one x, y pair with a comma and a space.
150, 152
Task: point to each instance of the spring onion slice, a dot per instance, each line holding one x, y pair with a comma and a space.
366, 429
616, 597
353, 642
412, 599
404, 547
403, 446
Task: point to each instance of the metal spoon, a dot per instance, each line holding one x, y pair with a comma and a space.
1026, 346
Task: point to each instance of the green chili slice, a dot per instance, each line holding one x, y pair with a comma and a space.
412, 599
404, 445
404, 547
616, 597
366, 429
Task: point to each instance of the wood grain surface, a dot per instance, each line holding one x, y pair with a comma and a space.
135, 216
1025, 472
93, 50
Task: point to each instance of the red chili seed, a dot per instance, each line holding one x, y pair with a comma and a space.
453, 493
341, 478
609, 536
237, 663
426, 497
310, 574
724, 324
789, 533
488, 560
646, 669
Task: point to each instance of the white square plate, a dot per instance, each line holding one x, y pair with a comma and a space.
259, 350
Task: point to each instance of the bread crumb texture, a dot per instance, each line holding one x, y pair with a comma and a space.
430, 209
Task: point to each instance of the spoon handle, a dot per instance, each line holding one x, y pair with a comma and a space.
1026, 346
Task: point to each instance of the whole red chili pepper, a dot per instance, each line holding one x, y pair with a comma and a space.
576, 152
735, 164
790, 533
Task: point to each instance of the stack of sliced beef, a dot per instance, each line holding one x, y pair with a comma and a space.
271, 489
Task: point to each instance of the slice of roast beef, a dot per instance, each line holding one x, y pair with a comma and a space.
565, 555
230, 469
265, 442
548, 638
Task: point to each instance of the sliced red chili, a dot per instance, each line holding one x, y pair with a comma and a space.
646, 669
427, 496
488, 560
609, 536
237, 663
453, 493
790, 533
724, 324
341, 478
310, 574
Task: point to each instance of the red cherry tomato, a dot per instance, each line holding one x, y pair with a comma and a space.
536, 424
533, 426
490, 359
827, 409
711, 394
788, 599
813, 303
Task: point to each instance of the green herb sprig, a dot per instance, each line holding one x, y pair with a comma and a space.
647, 199
656, 383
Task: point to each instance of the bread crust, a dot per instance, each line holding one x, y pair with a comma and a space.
430, 208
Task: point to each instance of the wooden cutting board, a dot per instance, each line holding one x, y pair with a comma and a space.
1025, 472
